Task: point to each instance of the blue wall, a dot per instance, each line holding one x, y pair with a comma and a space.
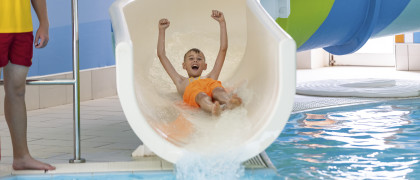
416, 37
95, 37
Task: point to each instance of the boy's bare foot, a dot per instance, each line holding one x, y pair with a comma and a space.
216, 111
29, 163
234, 102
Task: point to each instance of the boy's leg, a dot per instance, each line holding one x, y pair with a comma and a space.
220, 94
207, 104
15, 113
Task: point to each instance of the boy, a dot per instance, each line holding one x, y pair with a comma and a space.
16, 40
204, 92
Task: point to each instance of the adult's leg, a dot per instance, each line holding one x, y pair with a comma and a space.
207, 104
15, 113
220, 94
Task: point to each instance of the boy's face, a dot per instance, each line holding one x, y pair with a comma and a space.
194, 63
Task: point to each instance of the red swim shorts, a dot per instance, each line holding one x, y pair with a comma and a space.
197, 86
16, 47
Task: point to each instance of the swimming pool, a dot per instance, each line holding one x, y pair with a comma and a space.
373, 141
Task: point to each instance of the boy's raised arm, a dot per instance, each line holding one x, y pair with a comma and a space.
176, 78
220, 59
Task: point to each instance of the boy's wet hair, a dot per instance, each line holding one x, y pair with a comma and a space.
194, 50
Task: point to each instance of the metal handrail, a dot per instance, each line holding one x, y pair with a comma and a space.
75, 82
47, 82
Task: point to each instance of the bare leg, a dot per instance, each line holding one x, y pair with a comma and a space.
220, 94
207, 104
15, 113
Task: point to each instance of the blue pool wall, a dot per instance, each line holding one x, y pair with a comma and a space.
95, 38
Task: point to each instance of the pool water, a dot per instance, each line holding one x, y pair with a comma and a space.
379, 141
261, 174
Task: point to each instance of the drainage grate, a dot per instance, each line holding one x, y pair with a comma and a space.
259, 162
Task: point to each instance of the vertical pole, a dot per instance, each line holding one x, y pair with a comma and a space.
331, 61
76, 87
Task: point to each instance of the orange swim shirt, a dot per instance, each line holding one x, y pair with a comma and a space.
197, 86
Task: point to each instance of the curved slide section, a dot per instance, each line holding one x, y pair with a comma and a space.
342, 26
259, 67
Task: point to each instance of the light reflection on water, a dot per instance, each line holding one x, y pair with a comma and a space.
369, 142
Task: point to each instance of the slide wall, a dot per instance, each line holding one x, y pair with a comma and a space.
259, 67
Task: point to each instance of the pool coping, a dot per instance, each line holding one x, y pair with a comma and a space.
153, 163
139, 164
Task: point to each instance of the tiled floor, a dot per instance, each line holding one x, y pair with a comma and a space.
107, 137
105, 133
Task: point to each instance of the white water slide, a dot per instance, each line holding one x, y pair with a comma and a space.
259, 67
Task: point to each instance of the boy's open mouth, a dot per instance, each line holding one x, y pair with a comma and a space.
194, 67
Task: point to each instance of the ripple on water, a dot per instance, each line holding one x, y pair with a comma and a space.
372, 142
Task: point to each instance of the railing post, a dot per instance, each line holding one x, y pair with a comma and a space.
76, 87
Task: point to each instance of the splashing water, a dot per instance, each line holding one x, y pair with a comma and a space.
194, 166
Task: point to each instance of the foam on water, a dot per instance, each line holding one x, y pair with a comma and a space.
196, 166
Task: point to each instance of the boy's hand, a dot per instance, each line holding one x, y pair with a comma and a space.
163, 24
218, 16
